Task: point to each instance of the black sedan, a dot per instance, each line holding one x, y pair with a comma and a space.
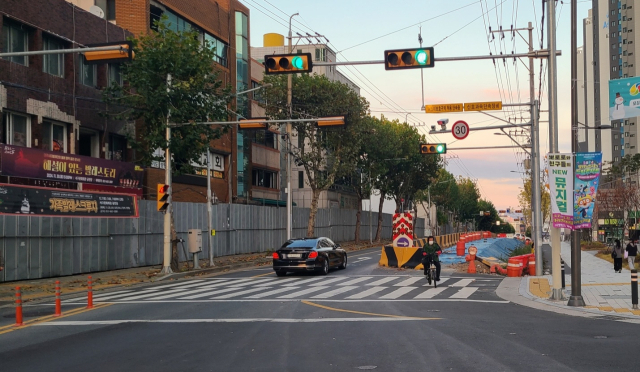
309, 254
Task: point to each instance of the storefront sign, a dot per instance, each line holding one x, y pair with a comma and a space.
56, 166
561, 185
25, 200
588, 167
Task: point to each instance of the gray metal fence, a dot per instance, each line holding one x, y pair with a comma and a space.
41, 247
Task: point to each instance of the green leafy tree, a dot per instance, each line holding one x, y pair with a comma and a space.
524, 198
486, 222
195, 94
325, 153
467, 204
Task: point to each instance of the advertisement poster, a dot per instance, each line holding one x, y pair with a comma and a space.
587, 176
624, 98
560, 168
26, 162
37, 201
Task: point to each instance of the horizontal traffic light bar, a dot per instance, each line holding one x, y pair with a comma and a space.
408, 58
115, 46
314, 120
433, 148
255, 123
287, 63
123, 54
334, 121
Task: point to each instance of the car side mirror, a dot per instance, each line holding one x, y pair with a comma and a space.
336, 246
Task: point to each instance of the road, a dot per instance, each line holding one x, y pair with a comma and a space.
361, 318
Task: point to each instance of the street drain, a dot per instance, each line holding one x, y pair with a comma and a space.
599, 336
367, 367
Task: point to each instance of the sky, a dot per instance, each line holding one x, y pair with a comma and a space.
362, 29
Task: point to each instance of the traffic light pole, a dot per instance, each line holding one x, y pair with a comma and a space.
289, 144
166, 266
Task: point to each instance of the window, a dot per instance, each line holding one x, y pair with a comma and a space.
624, 29
624, 18
108, 7
257, 96
624, 64
613, 12
54, 136
117, 148
16, 130
624, 41
616, 148
301, 179
624, 52
613, 23
221, 49
265, 138
617, 159
615, 136
321, 54
89, 143
614, 68
265, 178
52, 63
88, 74
626, 122
614, 57
15, 39
115, 74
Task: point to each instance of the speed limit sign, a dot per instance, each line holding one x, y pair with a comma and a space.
460, 129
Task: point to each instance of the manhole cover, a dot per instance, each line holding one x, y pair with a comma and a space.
599, 336
367, 367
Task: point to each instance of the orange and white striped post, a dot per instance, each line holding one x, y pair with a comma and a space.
18, 307
89, 294
58, 304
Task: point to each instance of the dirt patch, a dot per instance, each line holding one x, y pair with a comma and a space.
463, 267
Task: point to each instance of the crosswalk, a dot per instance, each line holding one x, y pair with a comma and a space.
292, 288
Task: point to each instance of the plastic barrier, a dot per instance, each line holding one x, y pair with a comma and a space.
514, 267
532, 265
460, 247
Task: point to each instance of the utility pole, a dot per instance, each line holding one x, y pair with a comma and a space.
421, 72
576, 290
209, 207
166, 266
289, 144
536, 197
553, 139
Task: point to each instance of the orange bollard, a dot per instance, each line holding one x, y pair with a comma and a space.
18, 307
58, 304
89, 294
460, 247
514, 267
532, 265
471, 258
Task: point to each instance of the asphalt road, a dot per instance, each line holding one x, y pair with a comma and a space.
361, 318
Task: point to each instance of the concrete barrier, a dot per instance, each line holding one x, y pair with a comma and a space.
400, 257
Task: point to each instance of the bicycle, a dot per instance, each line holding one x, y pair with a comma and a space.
431, 273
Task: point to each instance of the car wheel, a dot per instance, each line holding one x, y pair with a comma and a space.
344, 263
325, 267
281, 273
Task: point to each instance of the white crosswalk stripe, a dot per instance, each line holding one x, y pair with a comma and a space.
293, 288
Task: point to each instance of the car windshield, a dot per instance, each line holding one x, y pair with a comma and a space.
300, 244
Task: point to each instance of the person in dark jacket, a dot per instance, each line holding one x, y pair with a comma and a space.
431, 251
632, 251
617, 254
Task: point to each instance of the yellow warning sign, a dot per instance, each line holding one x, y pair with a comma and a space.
447, 107
483, 106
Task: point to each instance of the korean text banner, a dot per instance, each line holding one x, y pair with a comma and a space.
37, 201
26, 162
587, 176
624, 98
561, 188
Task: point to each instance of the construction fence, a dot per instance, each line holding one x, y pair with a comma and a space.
42, 247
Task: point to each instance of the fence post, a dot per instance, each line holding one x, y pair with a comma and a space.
634, 288
18, 307
89, 293
562, 261
58, 304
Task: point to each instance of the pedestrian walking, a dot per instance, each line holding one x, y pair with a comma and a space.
617, 253
632, 251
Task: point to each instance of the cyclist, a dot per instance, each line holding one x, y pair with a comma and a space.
431, 251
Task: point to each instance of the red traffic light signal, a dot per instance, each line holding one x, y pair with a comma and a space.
287, 63
408, 58
163, 197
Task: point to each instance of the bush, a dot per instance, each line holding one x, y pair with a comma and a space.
517, 251
592, 245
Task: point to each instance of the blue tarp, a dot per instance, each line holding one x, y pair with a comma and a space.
493, 247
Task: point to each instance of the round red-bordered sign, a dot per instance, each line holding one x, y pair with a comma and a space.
460, 129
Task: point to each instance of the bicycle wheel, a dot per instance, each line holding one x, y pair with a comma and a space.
429, 277
433, 274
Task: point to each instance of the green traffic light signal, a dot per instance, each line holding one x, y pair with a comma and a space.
421, 57
298, 63
440, 149
433, 148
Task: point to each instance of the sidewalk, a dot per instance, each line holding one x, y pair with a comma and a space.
604, 291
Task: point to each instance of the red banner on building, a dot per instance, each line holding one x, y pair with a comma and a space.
26, 162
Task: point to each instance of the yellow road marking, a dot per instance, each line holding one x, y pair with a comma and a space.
49, 318
364, 313
271, 273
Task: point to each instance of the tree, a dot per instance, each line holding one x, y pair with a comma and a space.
485, 222
621, 197
325, 153
195, 94
524, 198
467, 202
361, 180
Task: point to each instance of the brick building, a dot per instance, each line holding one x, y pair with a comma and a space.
53, 102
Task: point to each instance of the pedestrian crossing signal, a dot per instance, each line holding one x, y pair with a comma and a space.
433, 148
408, 58
287, 63
163, 197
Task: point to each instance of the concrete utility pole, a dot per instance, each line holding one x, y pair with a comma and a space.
166, 266
576, 290
209, 208
289, 144
553, 139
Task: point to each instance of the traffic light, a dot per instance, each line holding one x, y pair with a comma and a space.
408, 58
433, 148
331, 121
124, 54
255, 123
287, 63
163, 197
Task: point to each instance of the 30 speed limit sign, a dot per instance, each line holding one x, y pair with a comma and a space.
460, 129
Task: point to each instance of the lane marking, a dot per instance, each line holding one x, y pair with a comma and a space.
384, 280
430, 293
235, 294
354, 281
48, 318
303, 292
362, 312
110, 297
398, 292
442, 280
332, 280
242, 283
367, 293
409, 281
239, 320
464, 292
271, 273
275, 291
335, 292
462, 283
291, 299
206, 294
178, 284
162, 296
303, 281
95, 296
